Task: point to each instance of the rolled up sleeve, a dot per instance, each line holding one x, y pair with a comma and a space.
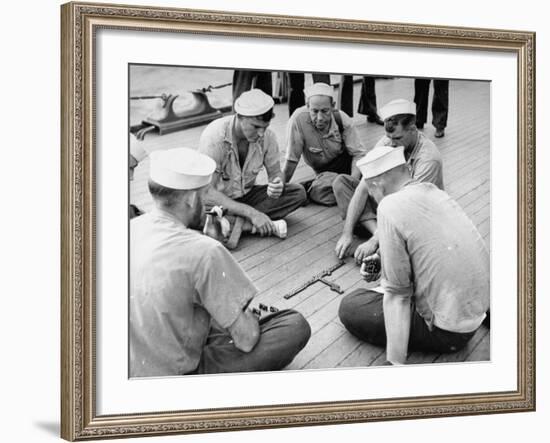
295, 140
223, 287
428, 171
396, 266
211, 144
351, 139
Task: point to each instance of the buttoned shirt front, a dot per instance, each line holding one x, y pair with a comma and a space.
431, 251
180, 280
218, 142
424, 160
318, 149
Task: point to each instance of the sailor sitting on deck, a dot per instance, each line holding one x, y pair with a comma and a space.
327, 140
241, 145
188, 295
435, 266
356, 205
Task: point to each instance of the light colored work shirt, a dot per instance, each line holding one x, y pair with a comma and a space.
431, 250
424, 160
179, 281
318, 150
218, 142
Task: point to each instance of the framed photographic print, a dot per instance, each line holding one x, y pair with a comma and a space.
280, 221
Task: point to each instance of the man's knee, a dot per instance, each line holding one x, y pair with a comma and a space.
294, 330
322, 194
343, 188
296, 191
347, 311
361, 313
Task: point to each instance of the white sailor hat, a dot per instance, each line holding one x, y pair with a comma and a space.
381, 159
253, 103
319, 89
136, 149
396, 107
181, 168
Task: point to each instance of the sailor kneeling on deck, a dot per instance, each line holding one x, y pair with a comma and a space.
188, 295
355, 203
241, 145
435, 266
327, 140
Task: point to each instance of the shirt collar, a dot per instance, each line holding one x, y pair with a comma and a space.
165, 215
229, 136
416, 148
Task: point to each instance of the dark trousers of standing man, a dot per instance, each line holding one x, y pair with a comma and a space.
245, 80
440, 102
367, 101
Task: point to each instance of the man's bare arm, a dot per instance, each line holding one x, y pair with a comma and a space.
397, 319
288, 170
245, 331
356, 207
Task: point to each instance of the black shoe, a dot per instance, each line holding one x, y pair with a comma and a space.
439, 133
375, 119
362, 232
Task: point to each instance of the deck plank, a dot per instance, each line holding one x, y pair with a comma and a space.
363, 356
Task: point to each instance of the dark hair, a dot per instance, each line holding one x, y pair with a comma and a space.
265, 117
166, 196
405, 120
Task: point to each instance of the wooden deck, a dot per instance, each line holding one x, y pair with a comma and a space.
277, 266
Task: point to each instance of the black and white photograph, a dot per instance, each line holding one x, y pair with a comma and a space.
284, 221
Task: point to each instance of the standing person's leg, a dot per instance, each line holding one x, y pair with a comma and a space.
345, 94
367, 101
292, 198
421, 93
242, 80
440, 106
321, 78
282, 335
296, 97
263, 80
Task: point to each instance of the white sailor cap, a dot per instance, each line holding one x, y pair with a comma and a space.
396, 107
181, 168
319, 89
136, 149
381, 159
253, 103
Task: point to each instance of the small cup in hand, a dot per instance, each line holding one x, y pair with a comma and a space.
371, 268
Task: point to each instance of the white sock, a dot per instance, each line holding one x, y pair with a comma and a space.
280, 228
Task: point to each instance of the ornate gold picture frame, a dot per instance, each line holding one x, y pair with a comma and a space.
80, 419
